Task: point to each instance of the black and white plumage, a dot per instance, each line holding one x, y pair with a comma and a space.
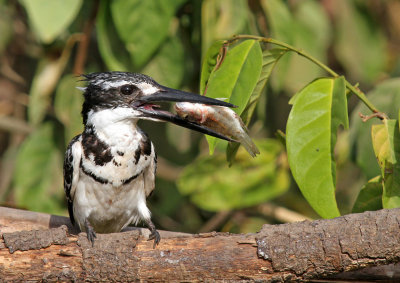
109, 169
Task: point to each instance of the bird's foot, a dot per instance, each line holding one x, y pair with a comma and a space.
154, 235
91, 234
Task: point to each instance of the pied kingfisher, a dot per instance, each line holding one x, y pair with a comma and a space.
109, 169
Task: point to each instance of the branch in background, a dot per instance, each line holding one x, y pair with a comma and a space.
216, 221
7, 71
379, 115
281, 214
15, 125
83, 46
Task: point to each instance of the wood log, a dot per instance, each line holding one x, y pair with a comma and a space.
36, 246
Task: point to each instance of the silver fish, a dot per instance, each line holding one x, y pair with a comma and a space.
220, 119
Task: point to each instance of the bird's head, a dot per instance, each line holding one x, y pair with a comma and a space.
139, 94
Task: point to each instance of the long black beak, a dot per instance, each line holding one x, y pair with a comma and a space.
174, 95
149, 110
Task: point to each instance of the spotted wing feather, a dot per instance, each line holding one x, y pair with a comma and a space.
150, 176
71, 172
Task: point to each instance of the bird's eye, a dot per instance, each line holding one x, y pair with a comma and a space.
128, 89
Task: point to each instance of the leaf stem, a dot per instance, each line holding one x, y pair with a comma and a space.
300, 52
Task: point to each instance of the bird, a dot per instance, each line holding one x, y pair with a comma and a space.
109, 169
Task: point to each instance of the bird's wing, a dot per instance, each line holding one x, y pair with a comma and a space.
150, 175
71, 172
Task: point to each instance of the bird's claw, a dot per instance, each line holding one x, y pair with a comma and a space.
90, 233
154, 235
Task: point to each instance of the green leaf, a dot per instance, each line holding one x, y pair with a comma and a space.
311, 131
49, 18
386, 97
270, 58
386, 143
214, 186
236, 78
67, 106
167, 66
209, 62
383, 146
38, 172
391, 189
143, 25
370, 196
221, 19
112, 50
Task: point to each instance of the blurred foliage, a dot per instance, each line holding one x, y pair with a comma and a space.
214, 186
45, 44
386, 139
385, 96
370, 196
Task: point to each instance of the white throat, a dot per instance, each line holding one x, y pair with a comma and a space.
114, 125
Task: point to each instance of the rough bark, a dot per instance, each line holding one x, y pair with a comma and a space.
348, 247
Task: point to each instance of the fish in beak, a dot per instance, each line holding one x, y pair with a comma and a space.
146, 105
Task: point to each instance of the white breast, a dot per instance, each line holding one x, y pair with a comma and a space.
111, 206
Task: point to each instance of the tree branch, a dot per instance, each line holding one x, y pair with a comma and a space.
322, 249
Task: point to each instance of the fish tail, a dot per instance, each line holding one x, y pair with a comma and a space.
249, 145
